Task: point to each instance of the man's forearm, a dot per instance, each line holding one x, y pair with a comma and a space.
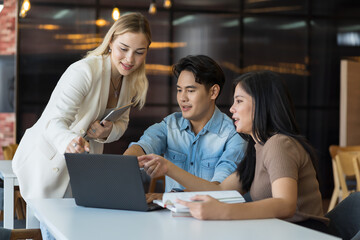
134, 150
190, 181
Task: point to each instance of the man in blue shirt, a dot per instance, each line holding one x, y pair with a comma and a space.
200, 139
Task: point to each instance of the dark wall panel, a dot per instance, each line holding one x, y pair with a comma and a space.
302, 40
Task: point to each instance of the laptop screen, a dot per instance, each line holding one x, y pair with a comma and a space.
106, 181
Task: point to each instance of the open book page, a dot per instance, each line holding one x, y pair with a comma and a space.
169, 199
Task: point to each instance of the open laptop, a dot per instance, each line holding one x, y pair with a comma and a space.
107, 181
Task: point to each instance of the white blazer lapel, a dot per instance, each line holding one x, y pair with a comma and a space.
124, 93
105, 85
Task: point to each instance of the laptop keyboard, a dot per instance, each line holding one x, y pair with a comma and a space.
153, 206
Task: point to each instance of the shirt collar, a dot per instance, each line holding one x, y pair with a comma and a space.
213, 125
184, 124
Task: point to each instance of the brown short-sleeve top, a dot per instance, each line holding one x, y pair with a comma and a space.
283, 156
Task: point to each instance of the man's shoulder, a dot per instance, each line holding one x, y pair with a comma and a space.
174, 118
225, 122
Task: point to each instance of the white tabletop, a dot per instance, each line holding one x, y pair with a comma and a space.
6, 168
65, 220
10, 180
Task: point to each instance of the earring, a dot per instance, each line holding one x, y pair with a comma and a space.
109, 50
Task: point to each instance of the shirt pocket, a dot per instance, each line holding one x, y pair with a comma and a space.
207, 167
178, 158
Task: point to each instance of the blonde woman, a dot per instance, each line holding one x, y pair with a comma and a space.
110, 76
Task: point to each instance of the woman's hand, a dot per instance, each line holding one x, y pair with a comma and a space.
99, 131
78, 145
204, 207
154, 165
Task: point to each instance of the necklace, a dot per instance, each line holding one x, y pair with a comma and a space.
116, 89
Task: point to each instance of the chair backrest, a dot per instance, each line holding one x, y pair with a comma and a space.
356, 163
34, 234
9, 151
345, 217
345, 167
13, 234
344, 161
338, 193
334, 149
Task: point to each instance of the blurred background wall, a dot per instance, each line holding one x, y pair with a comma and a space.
8, 41
302, 40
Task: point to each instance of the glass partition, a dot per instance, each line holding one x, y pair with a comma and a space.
301, 40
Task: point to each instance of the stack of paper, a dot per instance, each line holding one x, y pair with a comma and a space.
169, 199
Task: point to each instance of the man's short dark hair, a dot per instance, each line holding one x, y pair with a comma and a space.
206, 71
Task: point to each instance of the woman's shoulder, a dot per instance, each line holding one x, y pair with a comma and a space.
280, 139
283, 143
281, 150
280, 142
87, 63
89, 66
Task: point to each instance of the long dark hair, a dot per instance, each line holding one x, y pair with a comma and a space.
273, 114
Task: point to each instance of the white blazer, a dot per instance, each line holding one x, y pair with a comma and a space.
79, 98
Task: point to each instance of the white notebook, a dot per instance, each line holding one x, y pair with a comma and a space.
169, 199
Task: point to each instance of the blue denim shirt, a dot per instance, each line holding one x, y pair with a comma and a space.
213, 154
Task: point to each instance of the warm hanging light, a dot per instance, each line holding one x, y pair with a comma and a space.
115, 14
101, 22
22, 13
26, 5
152, 8
167, 3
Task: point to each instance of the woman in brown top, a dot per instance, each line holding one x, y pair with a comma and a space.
278, 167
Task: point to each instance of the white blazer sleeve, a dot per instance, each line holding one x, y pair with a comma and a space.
68, 96
119, 128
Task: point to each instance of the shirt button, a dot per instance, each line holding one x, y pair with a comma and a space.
82, 131
192, 163
55, 169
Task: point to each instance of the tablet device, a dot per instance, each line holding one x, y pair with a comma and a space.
115, 113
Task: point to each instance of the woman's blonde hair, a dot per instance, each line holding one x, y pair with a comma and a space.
134, 23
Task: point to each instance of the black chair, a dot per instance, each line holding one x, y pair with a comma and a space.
345, 218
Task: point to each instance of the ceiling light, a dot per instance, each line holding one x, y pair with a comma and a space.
26, 5
115, 14
167, 3
22, 13
152, 8
101, 22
